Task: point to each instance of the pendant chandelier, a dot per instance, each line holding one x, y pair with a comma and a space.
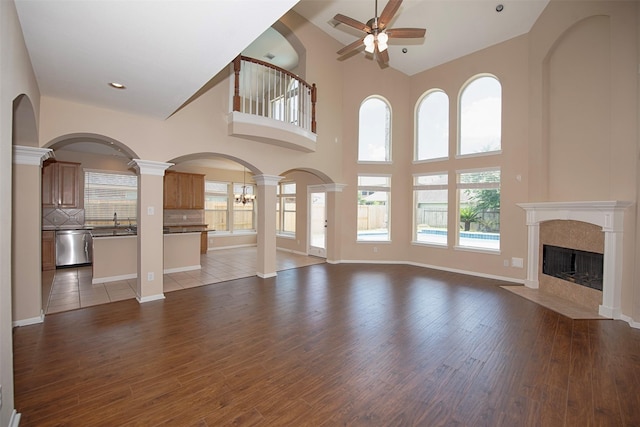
244, 197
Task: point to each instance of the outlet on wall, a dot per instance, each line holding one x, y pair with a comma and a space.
150, 277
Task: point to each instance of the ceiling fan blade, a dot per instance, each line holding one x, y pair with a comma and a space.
382, 57
388, 12
352, 23
348, 48
406, 33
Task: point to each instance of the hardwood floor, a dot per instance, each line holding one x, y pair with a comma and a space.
328, 345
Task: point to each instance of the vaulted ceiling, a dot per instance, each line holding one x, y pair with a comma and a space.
164, 51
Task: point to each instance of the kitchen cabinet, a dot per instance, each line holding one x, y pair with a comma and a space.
61, 185
48, 250
183, 190
204, 242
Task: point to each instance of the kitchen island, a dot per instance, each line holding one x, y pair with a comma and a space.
115, 253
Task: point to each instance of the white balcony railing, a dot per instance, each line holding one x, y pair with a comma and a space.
263, 89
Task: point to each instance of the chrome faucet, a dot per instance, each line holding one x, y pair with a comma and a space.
115, 219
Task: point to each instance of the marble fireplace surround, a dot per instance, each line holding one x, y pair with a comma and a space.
609, 215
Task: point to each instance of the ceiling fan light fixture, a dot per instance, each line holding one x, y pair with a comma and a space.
369, 43
382, 42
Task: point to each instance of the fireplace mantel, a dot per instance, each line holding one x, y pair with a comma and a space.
607, 214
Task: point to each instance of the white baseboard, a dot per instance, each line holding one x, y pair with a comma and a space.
221, 248
14, 421
435, 267
292, 251
150, 298
181, 269
114, 278
630, 321
266, 276
31, 321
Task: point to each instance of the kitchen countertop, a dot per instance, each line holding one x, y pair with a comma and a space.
184, 228
130, 231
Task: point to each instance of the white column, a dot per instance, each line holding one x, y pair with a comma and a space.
150, 232
533, 252
612, 273
26, 247
266, 224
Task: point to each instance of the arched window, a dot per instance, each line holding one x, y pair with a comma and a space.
374, 136
432, 126
480, 116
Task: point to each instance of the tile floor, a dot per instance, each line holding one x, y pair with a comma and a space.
70, 288
565, 307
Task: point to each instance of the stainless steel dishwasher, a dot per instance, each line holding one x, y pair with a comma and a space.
73, 247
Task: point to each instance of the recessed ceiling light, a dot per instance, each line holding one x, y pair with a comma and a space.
499, 8
116, 85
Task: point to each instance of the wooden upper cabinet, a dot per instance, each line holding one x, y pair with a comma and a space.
198, 191
183, 190
61, 185
171, 190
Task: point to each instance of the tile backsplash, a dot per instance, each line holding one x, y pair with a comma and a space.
62, 217
183, 216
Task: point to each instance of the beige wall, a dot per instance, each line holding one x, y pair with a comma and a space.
114, 258
16, 78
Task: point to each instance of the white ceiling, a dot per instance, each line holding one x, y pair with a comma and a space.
164, 51
454, 27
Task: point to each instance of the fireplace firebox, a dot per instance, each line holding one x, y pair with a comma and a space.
580, 267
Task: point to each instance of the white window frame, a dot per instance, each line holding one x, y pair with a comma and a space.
430, 187
475, 186
421, 140
462, 123
363, 130
374, 189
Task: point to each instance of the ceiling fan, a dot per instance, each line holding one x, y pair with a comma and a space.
377, 33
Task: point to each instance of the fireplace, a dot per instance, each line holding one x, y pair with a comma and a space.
580, 267
608, 217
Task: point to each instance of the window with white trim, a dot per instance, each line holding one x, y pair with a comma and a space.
431, 199
480, 116
374, 192
374, 131
286, 209
216, 205
432, 126
109, 194
479, 209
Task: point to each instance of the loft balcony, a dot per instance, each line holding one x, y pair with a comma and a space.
272, 105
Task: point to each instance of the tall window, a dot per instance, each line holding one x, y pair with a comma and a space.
243, 215
430, 194
479, 209
286, 208
373, 208
216, 205
481, 116
374, 131
286, 106
106, 194
432, 126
